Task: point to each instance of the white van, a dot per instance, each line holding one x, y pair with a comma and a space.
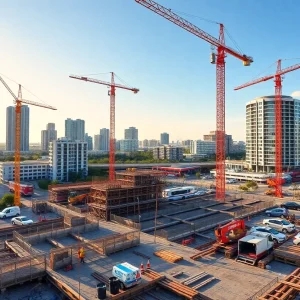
10, 212
128, 274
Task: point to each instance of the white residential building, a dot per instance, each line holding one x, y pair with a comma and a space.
203, 148
66, 156
74, 129
104, 139
260, 133
30, 170
168, 152
47, 136
129, 145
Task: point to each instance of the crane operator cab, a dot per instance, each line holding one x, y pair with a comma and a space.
247, 62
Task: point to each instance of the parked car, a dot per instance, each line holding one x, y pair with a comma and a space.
296, 239
22, 220
200, 193
294, 187
280, 225
277, 212
291, 205
10, 212
277, 237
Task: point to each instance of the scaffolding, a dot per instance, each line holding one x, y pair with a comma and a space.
133, 191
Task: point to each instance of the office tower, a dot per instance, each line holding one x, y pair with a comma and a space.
74, 129
47, 136
228, 140
97, 142
131, 133
164, 138
11, 128
203, 148
89, 140
260, 133
66, 157
104, 139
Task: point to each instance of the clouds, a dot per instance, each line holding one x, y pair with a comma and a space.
295, 94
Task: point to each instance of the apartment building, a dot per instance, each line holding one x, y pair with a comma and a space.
203, 148
129, 145
168, 152
30, 170
66, 156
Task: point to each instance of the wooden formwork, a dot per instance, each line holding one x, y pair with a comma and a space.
289, 254
131, 192
286, 289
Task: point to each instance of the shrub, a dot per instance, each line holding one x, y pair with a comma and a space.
43, 184
7, 200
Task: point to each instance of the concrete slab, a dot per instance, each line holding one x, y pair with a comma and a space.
66, 241
96, 234
44, 247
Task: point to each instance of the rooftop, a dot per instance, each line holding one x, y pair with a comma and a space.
26, 162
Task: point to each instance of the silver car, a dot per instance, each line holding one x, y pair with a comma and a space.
277, 237
280, 225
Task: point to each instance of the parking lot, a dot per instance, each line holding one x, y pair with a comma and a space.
26, 210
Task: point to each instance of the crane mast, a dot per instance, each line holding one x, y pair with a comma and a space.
18, 109
112, 94
278, 118
222, 50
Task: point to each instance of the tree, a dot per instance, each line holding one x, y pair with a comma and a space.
198, 175
7, 200
243, 188
43, 184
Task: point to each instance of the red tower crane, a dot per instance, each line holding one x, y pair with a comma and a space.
222, 49
112, 94
278, 118
19, 101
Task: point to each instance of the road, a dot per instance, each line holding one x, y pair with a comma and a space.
25, 211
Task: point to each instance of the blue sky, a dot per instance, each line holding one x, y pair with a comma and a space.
42, 42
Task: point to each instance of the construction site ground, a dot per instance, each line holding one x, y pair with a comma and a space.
233, 280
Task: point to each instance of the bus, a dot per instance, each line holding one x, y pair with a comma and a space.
179, 192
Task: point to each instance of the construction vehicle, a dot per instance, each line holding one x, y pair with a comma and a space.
74, 198
253, 247
231, 232
270, 192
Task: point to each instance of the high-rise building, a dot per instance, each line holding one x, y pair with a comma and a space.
164, 138
260, 133
47, 136
168, 152
97, 142
153, 143
65, 157
131, 133
228, 140
129, 145
104, 139
89, 140
11, 128
74, 129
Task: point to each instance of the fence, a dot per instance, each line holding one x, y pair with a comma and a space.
254, 209
125, 222
264, 289
20, 270
19, 239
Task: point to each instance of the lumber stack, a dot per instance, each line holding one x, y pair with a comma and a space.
153, 275
289, 254
168, 256
204, 252
288, 288
178, 288
263, 262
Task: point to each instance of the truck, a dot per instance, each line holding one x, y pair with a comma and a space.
127, 274
254, 246
26, 189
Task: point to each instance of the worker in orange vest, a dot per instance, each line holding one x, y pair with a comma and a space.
81, 255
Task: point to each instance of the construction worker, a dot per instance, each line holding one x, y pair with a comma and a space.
81, 255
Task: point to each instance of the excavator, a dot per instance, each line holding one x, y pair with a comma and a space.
230, 232
74, 198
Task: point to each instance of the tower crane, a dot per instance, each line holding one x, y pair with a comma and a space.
219, 59
278, 118
19, 101
112, 94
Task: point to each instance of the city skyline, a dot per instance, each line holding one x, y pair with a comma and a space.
158, 44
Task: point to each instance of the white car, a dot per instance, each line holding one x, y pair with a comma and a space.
200, 193
280, 225
22, 220
296, 239
10, 212
277, 237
